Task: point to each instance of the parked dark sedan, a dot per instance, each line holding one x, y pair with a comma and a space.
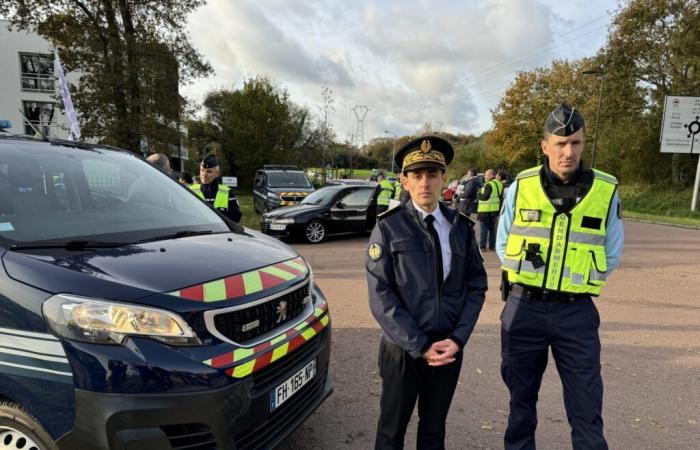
329, 210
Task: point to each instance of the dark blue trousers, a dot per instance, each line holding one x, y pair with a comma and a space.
528, 329
487, 230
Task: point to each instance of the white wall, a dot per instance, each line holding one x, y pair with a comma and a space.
12, 43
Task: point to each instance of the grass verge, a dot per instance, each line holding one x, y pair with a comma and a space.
659, 204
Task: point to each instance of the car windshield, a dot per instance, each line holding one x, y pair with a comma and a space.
60, 193
287, 179
322, 197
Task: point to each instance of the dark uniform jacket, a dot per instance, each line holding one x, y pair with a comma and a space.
404, 295
468, 197
233, 212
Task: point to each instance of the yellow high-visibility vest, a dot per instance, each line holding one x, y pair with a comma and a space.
572, 245
493, 204
221, 199
386, 192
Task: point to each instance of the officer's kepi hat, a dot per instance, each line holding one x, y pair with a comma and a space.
564, 121
210, 161
424, 152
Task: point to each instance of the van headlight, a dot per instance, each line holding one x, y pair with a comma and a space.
105, 322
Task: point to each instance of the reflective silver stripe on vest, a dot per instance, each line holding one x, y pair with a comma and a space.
537, 232
526, 266
605, 176
586, 238
598, 276
528, 173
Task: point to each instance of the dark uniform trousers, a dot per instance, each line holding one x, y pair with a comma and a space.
528, 328
405, 379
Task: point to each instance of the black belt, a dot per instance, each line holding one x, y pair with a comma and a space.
543, 295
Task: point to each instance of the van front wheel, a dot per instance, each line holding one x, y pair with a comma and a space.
20, 430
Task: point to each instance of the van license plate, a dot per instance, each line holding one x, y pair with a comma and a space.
284, 391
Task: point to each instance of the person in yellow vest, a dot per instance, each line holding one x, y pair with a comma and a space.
218, 195
490, 198
560, 236
386, 192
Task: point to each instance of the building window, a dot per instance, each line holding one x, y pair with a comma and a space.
40, 114
37, 72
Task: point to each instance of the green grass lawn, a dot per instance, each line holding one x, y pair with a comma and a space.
250, 218
660, 204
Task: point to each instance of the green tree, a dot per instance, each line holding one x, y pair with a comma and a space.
258, 125
131, 56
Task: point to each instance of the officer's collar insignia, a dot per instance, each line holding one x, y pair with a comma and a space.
531, 215
425, 146
375, 251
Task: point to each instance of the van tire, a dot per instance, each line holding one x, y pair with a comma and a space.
20, 430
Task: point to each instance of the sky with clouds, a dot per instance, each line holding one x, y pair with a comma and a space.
407, 61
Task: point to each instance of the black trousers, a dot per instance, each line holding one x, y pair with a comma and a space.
487, 230
405, 380
528, 329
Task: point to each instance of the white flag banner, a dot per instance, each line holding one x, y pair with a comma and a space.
65, 95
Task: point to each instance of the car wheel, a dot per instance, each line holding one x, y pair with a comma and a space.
315, 231
19, 430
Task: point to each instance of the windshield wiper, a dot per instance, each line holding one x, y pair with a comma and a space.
69, 245
179, 234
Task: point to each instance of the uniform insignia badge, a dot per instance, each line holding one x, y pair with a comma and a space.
425, 146
531, 215
375, 251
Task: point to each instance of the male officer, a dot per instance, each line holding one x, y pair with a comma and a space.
211, 191
386, 192
426, 283
560, 236
490, 198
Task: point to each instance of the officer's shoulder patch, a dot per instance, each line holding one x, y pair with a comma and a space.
469, 220
389, 212
619, 210
375, 251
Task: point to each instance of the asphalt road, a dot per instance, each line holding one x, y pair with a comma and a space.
650, 330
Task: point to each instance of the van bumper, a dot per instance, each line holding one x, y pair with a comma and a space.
235, 417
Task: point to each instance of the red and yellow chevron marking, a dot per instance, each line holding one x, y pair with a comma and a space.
297, 194
245, 283
245, 361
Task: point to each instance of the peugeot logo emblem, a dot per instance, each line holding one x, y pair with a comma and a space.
281, 311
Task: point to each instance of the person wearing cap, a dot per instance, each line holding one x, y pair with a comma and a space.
427, 283
488, 207
559, 238
218, 195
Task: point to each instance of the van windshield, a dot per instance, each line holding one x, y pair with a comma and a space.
59, 193
288, 179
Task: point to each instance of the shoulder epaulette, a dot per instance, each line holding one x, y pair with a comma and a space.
469, 219
389, 212
604, 176
529, 173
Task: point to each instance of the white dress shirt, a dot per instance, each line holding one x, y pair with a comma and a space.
443, 227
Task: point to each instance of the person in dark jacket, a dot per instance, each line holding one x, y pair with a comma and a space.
468, 196
210, 189
427, 283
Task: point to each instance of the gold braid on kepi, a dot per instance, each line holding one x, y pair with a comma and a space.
424, 152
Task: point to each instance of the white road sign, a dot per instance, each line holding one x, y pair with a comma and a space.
230, 181
680, 131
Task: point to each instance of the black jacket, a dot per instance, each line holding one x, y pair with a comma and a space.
468, 197
401, 276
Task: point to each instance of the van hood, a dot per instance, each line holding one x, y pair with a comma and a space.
135, 271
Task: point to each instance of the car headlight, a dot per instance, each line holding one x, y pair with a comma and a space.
105, 322
273, 196
283, 221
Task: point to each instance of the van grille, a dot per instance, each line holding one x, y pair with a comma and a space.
245, 324
190, 436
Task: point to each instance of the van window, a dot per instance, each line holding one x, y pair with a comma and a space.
287, 179
50, 192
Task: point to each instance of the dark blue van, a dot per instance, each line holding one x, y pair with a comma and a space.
133, 316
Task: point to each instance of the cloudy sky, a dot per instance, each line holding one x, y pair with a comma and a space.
407, 61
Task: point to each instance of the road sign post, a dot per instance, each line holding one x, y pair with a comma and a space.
680, 131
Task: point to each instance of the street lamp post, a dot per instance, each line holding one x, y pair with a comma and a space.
393, 151
601, 73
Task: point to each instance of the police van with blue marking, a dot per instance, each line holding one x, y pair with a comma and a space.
134, 316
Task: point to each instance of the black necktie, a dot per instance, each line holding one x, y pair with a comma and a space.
430, 221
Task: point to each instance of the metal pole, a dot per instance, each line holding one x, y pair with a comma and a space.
393, 152
695, 187
597, 120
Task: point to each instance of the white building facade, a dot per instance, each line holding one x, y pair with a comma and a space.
27, 83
